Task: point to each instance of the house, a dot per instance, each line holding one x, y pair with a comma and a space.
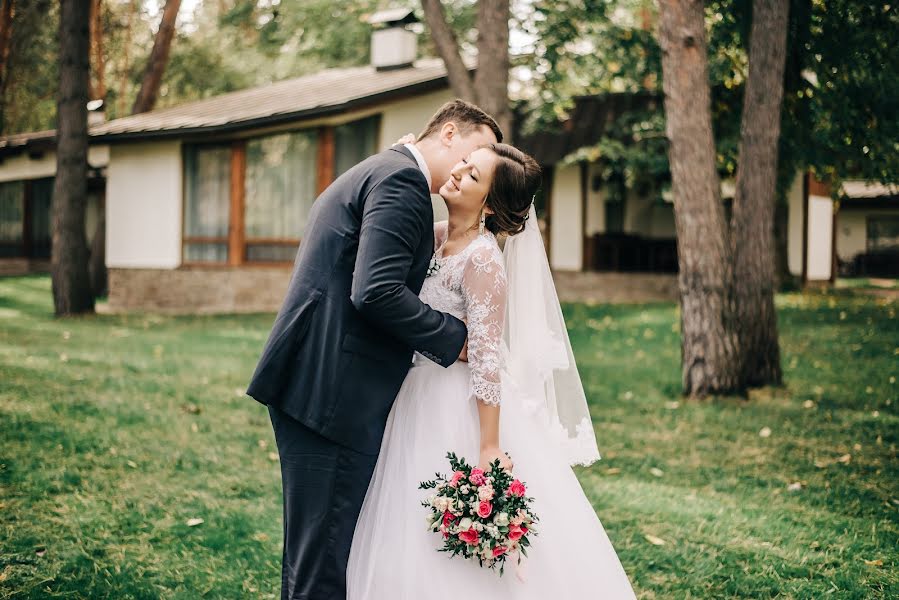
27, 170
206, 201
594, 222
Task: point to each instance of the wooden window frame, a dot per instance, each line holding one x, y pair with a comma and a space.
237, 241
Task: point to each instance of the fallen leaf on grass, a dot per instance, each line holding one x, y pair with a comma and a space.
191, 408
845, 459
41, 551
874, 563
657, 471
194, 427
674, 405
132, 464
655, 541
794, 487
765, 432
273, 456
260, 537
808, 404
612, 471
194, 522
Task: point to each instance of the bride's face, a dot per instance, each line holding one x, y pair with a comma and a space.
470, 180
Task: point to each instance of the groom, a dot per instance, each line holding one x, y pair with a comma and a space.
343, 340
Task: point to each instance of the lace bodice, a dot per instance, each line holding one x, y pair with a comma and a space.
471, 285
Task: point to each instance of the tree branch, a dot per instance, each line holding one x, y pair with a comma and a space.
448, 47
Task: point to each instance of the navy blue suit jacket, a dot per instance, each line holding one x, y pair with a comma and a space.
342, 342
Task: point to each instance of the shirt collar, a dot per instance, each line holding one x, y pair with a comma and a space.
421, 162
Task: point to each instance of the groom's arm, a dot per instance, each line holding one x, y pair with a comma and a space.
395, 217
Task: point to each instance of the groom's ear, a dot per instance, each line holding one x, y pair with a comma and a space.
448, 132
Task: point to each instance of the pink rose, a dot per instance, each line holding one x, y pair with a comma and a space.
516, 488
499, 551
456, 477
448, 518
477, 477
470, 537
516, 531
484, 509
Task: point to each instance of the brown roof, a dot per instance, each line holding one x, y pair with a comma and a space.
324, 93
588, 122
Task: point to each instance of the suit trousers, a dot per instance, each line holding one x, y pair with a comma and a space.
324, 486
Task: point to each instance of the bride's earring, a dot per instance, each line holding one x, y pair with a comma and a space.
481, 224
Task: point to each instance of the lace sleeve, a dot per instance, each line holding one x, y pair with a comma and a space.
484, 291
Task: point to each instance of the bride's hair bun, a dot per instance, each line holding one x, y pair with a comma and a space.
515, 181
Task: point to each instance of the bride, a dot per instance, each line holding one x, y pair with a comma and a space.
519, 392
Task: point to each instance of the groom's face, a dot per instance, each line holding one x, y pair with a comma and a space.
459, 145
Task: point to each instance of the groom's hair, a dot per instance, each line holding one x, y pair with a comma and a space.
465, 115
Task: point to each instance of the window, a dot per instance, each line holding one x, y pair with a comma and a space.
41, 206
248, 201
25, 218
12, 216
354, 142
279, 191
207, 203
883, 233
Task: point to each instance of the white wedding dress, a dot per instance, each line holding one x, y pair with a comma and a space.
394, 556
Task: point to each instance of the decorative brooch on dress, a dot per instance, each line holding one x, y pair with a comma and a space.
434, 266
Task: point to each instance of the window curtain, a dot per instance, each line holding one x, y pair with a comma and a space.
207, 202
12, 214
354, 142
41, 207
280, 188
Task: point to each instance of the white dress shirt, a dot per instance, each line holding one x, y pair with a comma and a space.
421, 162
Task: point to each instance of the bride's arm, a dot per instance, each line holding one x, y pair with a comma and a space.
484, 289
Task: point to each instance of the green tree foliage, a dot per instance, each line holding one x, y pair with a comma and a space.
841, 81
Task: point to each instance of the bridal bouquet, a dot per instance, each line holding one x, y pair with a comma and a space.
481, 515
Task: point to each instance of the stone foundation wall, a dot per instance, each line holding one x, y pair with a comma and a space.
23, 266
198, 290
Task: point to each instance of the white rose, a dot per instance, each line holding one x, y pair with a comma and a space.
501, 519
463, 489
485, 492
465, 524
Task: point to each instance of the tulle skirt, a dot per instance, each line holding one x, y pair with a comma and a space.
395, 557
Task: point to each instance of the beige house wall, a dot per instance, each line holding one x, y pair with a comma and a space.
144, 205
20, 167
566, 237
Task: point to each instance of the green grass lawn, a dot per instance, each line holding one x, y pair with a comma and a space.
116, 431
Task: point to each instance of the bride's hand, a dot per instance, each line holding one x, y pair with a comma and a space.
490, 454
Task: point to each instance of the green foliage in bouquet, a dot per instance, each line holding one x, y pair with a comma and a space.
483, 516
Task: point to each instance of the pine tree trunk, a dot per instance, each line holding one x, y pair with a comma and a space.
159, 58
752, 229
98, 60
707, 341
126, 60
491, 81
7, 12
69, 257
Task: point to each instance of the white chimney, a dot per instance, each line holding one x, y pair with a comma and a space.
393, 45
96, 113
